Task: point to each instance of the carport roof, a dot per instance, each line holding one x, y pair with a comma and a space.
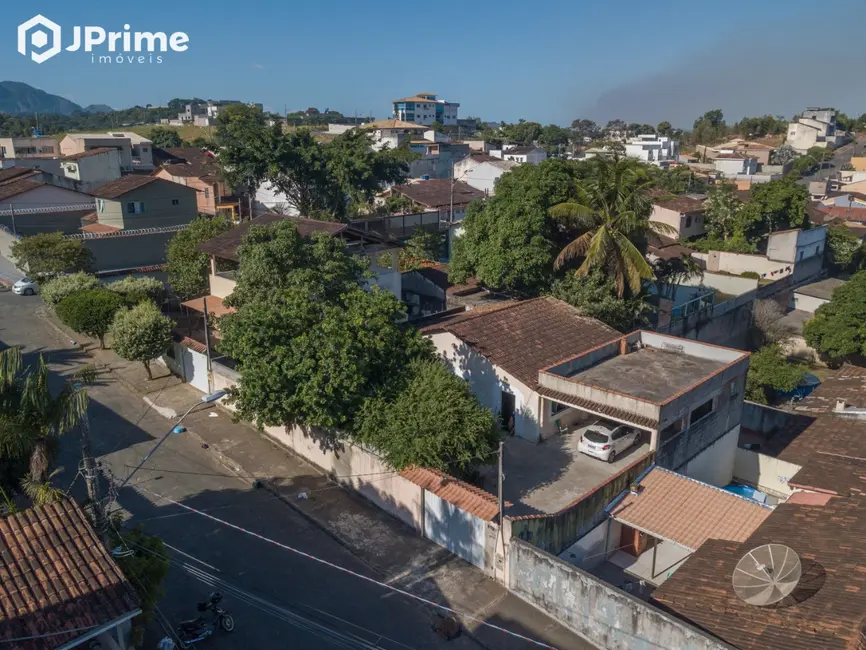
673, 507
641, 421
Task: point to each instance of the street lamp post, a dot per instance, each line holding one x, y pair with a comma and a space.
453, 183
206, 399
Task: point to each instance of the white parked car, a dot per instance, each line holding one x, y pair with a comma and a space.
606, 442
26, 287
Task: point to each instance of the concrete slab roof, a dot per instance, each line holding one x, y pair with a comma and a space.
650, 374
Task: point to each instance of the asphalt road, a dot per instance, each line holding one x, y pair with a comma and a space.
841, 156
278, 599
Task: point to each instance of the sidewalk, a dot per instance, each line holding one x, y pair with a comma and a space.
397, 554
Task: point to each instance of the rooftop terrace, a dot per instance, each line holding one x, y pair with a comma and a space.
649, 374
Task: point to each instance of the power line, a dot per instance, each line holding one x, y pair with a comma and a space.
48, 634
345, 570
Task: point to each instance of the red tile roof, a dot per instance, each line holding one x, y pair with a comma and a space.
55, 575
682, 204
524, 337
99, 227
467, 497
673, 507
848, 214
88, 153
436, 193
215, 306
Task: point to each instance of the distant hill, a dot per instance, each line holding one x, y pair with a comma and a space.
98, 108
19, 98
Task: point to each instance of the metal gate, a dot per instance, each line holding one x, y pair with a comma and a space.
455, 529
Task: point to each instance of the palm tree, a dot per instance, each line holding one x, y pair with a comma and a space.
612, 214
31, 420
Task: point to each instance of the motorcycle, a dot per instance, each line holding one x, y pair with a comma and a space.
198, 629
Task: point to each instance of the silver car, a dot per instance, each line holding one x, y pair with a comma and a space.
25, 287
606, 442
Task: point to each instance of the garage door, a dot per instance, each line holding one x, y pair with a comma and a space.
455, 529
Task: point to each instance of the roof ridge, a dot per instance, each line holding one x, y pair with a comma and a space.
718, 489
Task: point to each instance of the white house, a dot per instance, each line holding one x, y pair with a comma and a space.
543, 367
136, 151
520, 154
814, 127
392, 132
92, 168
733, 164
482, 171
426, 108
653, 149
685, 214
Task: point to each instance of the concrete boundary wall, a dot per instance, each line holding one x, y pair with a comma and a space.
604, 615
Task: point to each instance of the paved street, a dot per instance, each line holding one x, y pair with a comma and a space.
841, 156
279, 599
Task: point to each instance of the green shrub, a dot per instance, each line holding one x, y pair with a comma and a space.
54, 291
750, 274
90, 312
135, 290
142, 333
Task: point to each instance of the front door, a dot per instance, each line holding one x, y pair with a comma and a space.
506, 412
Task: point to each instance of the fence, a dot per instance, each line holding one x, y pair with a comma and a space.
599, 612
556, 532
401, 226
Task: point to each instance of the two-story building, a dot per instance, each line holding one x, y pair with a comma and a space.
482, 171
32, 147
685, 214
814, 127
521, 154
92, 168
138, 201
136, 151
546, 370
653, 149
196, 169
426, 108
448, 198
392, 133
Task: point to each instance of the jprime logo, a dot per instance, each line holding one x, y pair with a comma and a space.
41, 38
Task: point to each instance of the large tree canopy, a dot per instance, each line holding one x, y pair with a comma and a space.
838, 329
319, 180
310, 342
187, 267
770, 372
50, 253
509, 242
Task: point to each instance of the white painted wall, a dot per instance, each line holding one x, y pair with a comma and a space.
734, 285
590, 550
221, 287
487, 383
482, 176
268, 197
808, 303
685, 226
715, 464
737, 263
766, 473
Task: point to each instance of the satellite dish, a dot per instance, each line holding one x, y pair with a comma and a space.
766, 574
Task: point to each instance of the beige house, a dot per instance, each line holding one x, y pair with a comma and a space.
137, 201
136, 151
757, 150
35, 147
685, 214
192, 167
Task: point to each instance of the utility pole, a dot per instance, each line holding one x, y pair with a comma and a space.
12, 210
207, 345
499, 496
91, 475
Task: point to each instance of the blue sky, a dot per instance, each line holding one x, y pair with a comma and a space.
549, 61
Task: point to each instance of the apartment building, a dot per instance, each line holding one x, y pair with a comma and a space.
136, 151
33, 147
426, 108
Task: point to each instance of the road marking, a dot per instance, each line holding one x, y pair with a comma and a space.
191, 557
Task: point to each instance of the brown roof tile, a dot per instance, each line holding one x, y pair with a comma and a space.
17, 187
99, 227
467, 497
673, 507
121, 186
56, 575
88, 153
215, 305
682, 204
524, 337
225, 245
436, 193
14, 173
